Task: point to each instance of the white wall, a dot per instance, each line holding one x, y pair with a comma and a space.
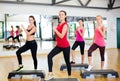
2, 18
53, 10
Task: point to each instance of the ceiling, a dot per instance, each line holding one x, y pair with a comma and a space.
90, 4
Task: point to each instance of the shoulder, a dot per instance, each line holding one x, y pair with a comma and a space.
65, 24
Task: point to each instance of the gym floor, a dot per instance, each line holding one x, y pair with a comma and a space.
8, 62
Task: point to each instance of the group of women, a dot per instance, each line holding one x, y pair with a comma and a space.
62, 43
15, 35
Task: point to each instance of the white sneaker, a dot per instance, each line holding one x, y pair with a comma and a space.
49, 77
89, 68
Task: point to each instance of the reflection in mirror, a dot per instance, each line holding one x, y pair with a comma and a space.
45, 24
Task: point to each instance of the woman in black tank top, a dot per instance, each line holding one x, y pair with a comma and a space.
30, 43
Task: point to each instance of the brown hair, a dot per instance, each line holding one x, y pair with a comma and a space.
64, 13
33, 19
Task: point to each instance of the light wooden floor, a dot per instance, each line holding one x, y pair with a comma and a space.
8, 64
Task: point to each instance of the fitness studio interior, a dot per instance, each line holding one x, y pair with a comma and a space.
59, 40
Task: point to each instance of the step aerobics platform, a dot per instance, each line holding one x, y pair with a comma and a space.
38, 73
10, 46
74, 66
106, 73
63, 79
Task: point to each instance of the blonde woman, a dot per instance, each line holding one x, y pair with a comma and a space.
98, 42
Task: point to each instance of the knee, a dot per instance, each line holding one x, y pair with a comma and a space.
49, 57
17, 52
82, 52
89, 53
102, 59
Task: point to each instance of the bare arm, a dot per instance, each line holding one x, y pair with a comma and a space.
64, 30
102, 32
29, 33
81, 34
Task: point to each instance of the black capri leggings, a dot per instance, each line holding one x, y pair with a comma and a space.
17, 37
94, 47
10, 37
66, 53
81, 44
32, 45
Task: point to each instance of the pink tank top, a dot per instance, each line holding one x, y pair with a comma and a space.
78, 36
99, 39
17, 32
12, 33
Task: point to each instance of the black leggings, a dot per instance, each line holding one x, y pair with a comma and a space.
10, 37
81, 44
66, 53
32, 45
94, 47
17, 37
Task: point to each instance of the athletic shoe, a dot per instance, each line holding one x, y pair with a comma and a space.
19, 68
49, 77
89, 68
72, 62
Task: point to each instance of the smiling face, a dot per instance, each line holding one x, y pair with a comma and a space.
99, 19
31, 20
62, 15
80, 22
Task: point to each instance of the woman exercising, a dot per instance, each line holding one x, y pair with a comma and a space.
62, 44
11, 35
98, 42
18, 33
79, 41
30, 43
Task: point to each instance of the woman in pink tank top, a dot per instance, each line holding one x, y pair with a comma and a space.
11, 35
98, 42
17, 36
79, 41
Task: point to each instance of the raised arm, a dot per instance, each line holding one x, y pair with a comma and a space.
61, 35
102, 32
81, 34
29, 33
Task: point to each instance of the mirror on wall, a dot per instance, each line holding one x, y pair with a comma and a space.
45, 23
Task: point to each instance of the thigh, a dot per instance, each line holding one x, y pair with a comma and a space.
75, 45
93, 47
33, 48
55, 51
9, 37
23, 48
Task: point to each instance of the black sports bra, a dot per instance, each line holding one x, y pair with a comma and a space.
30, 30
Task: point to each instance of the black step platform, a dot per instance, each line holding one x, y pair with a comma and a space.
106, 73
10, 46
63, 79
38, 73
7, 46
74, 66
